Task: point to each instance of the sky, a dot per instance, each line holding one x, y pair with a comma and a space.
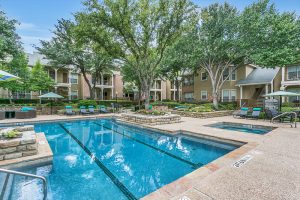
38, 17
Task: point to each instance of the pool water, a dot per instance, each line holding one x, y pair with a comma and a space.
245, 128
102, 159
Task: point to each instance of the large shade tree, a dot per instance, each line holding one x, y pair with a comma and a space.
10, 44
68, 48
142, 28
178, 61
226, 40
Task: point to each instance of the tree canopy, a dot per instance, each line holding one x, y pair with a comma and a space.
39, 79
142, 29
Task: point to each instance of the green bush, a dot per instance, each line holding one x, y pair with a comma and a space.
228, 106
4, 101
11, 134
87, 103
123, 103
151, 112
26, 101
288, 104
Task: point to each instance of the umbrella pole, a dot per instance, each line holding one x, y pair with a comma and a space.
51, 106
280, 103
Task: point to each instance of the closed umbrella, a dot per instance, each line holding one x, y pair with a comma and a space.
281, 94
51, 95
4, 76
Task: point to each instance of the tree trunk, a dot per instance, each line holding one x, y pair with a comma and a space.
177, 90
215, 94
92, 95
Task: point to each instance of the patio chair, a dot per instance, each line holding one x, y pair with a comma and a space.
255, 113
69, 110
281, 117
102, 109
91, 110
243, 112
83, 110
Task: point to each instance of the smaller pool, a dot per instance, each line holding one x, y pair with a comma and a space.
245, 128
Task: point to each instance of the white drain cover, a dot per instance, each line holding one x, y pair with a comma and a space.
242, 161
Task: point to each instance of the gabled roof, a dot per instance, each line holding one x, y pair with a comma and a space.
259, 76
34, 57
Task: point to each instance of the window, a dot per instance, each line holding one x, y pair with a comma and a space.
203, 95
293, 73
187, 81
232, 77
228, 95
74, 78
204, 76
52, 74
189, 96
74, 94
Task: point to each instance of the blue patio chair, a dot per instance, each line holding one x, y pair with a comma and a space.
91, 110
83, 110
243, 112
102, 109
69, 110
255, 113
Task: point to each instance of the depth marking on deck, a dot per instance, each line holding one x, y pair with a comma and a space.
194, 165
242, 161
114, 179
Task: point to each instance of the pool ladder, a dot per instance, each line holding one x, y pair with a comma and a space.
9, 172
287, 114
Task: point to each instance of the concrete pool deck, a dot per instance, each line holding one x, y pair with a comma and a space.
272, 173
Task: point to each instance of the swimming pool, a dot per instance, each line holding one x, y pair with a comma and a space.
245, 128
103, 159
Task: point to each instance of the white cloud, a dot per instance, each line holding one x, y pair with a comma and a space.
26, 26
30, 41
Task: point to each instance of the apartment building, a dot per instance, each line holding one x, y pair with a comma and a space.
246, 85
290, 80
68, 82
109, 86
171, 90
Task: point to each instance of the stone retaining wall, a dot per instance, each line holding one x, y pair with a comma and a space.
19, 147
203, 115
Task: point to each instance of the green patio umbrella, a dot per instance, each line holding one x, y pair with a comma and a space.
4, 76
51, 95
281, 94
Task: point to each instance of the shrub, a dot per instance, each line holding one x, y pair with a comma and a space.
288, 104
11, 134
151, 112
87, 103
26, 101
124, 103
228, 106
4, 101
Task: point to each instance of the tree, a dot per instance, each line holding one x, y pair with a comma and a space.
68, 48
143, 29
179, 60
18, 66
10, 44
39, 79
226, 40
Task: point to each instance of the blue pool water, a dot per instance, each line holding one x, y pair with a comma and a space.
102, 159
245, 128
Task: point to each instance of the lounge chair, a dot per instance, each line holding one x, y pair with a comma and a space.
243, 112
83, 110
69, 110
102, 109
91, 110
255, 113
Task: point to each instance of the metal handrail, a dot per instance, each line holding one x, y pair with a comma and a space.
29, 175
287, 113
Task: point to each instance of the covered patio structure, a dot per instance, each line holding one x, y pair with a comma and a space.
258, 83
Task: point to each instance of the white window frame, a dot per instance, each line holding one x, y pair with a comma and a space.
205, 93
297, 73
230, 95
71, 78
206, 76
230, 69
73, 95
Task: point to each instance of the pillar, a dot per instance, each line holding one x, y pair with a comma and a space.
102, 93
267, 90
241, 95
69, 93
55, 77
